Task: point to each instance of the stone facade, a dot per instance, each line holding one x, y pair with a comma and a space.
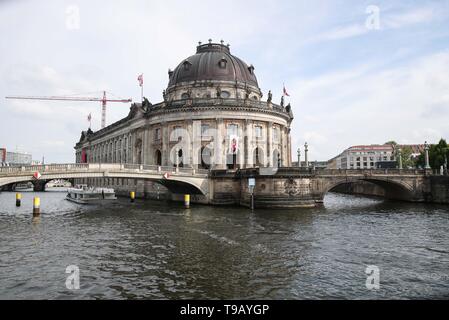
212, 117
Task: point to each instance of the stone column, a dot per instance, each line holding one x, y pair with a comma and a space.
165, 149
241, 152
299, 157
190, 145
270, 144
400, 158
289, 148
219, 145
249, 147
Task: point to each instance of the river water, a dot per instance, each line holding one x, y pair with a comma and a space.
153, 250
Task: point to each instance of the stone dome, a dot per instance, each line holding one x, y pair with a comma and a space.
213, 62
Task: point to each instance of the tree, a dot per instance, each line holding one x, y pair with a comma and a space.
406, 154
438, 155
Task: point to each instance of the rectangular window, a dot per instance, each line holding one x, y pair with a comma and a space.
157, 134
204, 130
176, 133
232, 129
258, 131
275, 134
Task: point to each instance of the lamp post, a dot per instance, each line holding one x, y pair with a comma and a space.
426, 156
306, 150
299, 157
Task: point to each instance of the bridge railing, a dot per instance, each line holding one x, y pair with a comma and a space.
100, 166
45, 168
371, 171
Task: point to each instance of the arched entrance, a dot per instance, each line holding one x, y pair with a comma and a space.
258, 157
158, 157
205, 156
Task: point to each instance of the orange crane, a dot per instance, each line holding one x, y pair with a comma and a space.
103, 102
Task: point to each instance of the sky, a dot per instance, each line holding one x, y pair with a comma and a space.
358, 72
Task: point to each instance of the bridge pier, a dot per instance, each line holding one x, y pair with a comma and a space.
39, 186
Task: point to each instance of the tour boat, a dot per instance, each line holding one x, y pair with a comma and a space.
89, 195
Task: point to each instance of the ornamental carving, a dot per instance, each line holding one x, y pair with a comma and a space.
291, 187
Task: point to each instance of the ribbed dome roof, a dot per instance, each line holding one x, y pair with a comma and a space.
213, 61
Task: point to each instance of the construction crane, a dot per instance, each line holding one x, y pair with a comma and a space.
103, 100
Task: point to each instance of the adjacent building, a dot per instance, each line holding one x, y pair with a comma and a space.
372, 156
363, 157
14, 158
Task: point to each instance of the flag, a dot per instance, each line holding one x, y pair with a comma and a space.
140, 79
285, 93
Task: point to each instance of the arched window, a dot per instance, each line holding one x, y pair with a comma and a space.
187, 65
258, 157
158, 158
222, 63
205, 157
225, 94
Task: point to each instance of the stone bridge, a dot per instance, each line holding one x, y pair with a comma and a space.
302, 187
176, 180
275, 187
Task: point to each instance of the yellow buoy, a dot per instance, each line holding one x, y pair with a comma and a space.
187, 200
36, 206
18, 199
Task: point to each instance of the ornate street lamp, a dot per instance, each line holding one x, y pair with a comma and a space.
306, 150
426, 156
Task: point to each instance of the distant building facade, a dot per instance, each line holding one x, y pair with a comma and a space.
372, 156
363, 157
15, 158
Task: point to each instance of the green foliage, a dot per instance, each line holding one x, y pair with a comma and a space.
438, 153
407, 161
392, 142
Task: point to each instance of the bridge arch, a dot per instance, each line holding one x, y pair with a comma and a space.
394, 189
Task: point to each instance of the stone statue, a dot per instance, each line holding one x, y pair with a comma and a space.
282, 101
218, 92
146, 104
247, 93
270, 96
164, 95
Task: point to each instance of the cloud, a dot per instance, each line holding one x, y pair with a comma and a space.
414, 16
387, 21
365, 105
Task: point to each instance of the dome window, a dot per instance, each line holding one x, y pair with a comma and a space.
225, 94
185, 95
222, 63
187, 65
